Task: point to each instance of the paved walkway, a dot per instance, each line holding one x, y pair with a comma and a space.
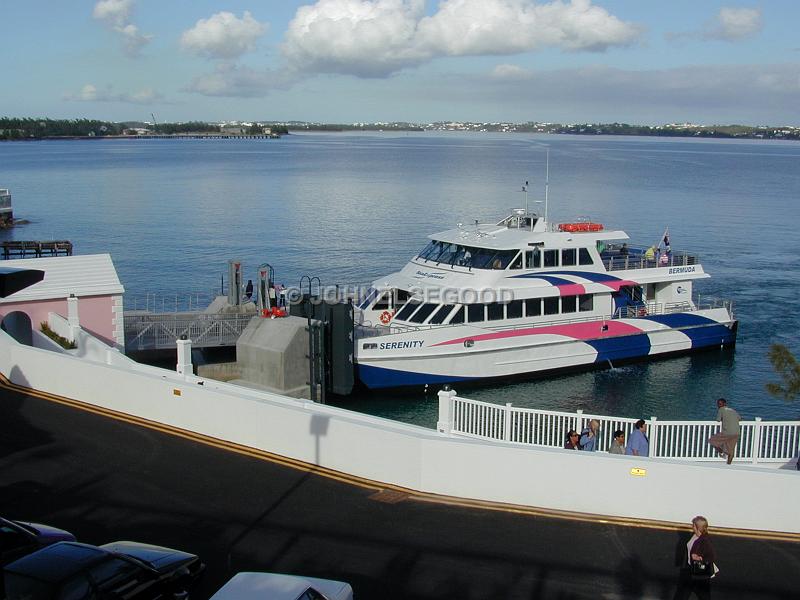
104, 480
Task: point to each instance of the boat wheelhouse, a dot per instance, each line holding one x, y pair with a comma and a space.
522, 298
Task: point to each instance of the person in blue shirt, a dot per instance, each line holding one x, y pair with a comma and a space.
588, 439
638, 444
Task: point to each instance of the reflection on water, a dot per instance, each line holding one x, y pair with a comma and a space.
350, 208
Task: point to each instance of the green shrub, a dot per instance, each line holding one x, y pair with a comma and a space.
61, 341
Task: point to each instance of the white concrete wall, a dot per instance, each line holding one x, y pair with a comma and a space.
415, 457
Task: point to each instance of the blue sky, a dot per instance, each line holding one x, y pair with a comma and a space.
635, 61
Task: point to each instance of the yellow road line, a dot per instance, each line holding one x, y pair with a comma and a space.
377, 485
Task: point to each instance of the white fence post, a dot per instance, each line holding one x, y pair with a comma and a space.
579, 420
653, 436
72, 317
755, 449
507, 423
445, 423
184, 366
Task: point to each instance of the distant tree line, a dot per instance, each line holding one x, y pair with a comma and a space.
190, 127
21, 129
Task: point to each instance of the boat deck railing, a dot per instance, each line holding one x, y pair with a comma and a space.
635, 258
640, 311
759, 441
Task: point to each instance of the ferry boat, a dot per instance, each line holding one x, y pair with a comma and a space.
522, 297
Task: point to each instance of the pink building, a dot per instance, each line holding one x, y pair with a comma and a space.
92, 279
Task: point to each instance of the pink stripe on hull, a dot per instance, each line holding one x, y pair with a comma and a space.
571, 289
578, 331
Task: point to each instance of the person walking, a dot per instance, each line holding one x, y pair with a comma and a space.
638, 444
618, 443
700, 566
725, 441
588, 440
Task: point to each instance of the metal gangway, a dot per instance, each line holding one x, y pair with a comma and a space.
760, 442
159, 331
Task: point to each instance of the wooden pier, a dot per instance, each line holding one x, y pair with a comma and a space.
35, 249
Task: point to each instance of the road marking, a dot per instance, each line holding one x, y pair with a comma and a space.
386, 491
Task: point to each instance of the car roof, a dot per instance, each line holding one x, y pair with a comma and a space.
57, 562
245, 586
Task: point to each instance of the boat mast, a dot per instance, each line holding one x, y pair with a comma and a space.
546, 184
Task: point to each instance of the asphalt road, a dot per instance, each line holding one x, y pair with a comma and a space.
105, 480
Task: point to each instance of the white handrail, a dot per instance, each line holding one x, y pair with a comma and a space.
759, 441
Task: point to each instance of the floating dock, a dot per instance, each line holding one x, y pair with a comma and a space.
35, 249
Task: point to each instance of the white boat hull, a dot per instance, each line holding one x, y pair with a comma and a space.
467, 353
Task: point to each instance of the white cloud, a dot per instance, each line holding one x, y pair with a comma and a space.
365, 38
375, 38
90, 93
223, 35
115, 12
510, 72
232, 80
116, 15
733, 24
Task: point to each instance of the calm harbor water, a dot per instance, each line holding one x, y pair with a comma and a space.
351, 207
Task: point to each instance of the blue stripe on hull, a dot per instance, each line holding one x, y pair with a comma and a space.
378, 377
619, 348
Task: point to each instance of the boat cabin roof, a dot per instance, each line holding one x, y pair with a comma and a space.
498, 237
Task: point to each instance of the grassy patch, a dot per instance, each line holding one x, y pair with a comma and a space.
61, 341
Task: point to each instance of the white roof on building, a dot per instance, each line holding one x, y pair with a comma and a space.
83, 275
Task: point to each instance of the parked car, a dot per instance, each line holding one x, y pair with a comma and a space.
130, 570
18, 538
275, 586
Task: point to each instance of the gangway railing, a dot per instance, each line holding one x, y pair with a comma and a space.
158, 331
168, 302
759, 441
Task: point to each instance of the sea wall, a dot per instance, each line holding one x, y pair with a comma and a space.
414, 457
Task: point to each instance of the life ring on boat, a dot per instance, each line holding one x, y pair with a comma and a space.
385, 317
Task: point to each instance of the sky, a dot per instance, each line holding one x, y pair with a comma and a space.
346, 61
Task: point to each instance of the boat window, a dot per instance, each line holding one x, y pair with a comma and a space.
440, 315
371, 293
584, 257
533, 259
449, 252
568, 257
423, 313
517, 262
551, 258
406, 311
569, 304
586, 302
475, 313
432, 250
458, 316
514, 309
551, 305
486, 258
382, 303
400, 298
533, 307
495, 311
463, 257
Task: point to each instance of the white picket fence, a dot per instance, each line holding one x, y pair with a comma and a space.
759, 441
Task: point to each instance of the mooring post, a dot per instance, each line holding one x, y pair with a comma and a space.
184, 366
